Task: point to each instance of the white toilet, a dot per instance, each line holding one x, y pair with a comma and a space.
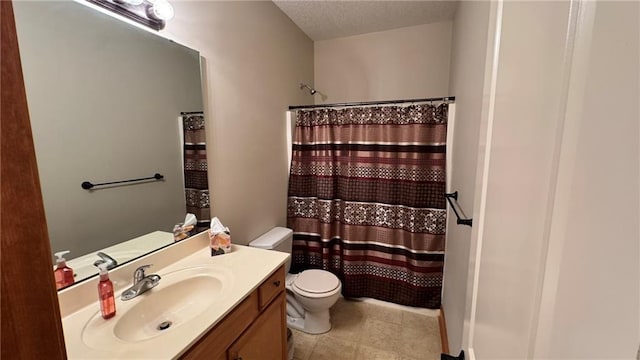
310, 293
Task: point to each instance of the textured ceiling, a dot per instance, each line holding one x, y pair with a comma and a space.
323, 20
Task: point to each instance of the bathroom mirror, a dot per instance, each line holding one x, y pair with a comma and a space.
105, 100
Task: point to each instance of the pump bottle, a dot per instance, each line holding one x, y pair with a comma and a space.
63, 273
105, 293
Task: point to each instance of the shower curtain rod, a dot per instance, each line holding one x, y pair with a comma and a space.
447, 98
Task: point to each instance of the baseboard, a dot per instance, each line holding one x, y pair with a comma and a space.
444, 340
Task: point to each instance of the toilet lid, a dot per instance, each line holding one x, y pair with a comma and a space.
316, 281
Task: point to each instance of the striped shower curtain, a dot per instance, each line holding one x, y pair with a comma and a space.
196, 182
366, 199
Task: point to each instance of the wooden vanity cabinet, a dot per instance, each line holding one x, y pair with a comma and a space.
264, 339
255, 329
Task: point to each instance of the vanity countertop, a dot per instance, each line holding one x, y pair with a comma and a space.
246, 268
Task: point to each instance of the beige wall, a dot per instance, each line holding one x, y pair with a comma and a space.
104, 101
406, 63
469, 47
255, 57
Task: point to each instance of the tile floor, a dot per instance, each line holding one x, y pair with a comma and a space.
369, 331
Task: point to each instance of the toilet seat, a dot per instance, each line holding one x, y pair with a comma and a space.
316, 283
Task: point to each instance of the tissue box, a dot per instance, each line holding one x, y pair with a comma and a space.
219, 238
220, 243
181, 232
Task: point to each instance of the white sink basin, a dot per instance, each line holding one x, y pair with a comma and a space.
167, 308
181, 296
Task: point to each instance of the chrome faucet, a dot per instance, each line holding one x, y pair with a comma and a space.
105, 259
141, 283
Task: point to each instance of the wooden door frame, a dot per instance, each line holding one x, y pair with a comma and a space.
30, 319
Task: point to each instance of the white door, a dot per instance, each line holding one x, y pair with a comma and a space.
555, 266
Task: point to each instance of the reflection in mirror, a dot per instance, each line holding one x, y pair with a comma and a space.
105, 100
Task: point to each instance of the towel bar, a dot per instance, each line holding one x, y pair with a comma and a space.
460, 221
88, 185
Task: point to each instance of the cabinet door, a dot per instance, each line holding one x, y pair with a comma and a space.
265, 339
213, 346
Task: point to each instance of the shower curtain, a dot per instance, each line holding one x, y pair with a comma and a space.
366, 199
196, 184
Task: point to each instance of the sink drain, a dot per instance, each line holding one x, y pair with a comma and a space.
164, 325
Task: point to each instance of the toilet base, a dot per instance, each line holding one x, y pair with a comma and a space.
313, 322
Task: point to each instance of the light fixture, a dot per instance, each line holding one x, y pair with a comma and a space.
151, 13
160, 10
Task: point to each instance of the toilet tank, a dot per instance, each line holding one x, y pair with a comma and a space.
279, 239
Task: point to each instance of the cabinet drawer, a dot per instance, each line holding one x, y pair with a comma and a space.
271, 287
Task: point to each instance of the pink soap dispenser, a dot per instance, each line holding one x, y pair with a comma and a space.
105, 294
63, 273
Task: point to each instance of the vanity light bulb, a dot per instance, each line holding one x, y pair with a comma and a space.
160, 10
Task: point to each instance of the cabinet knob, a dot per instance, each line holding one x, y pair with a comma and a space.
276, 283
